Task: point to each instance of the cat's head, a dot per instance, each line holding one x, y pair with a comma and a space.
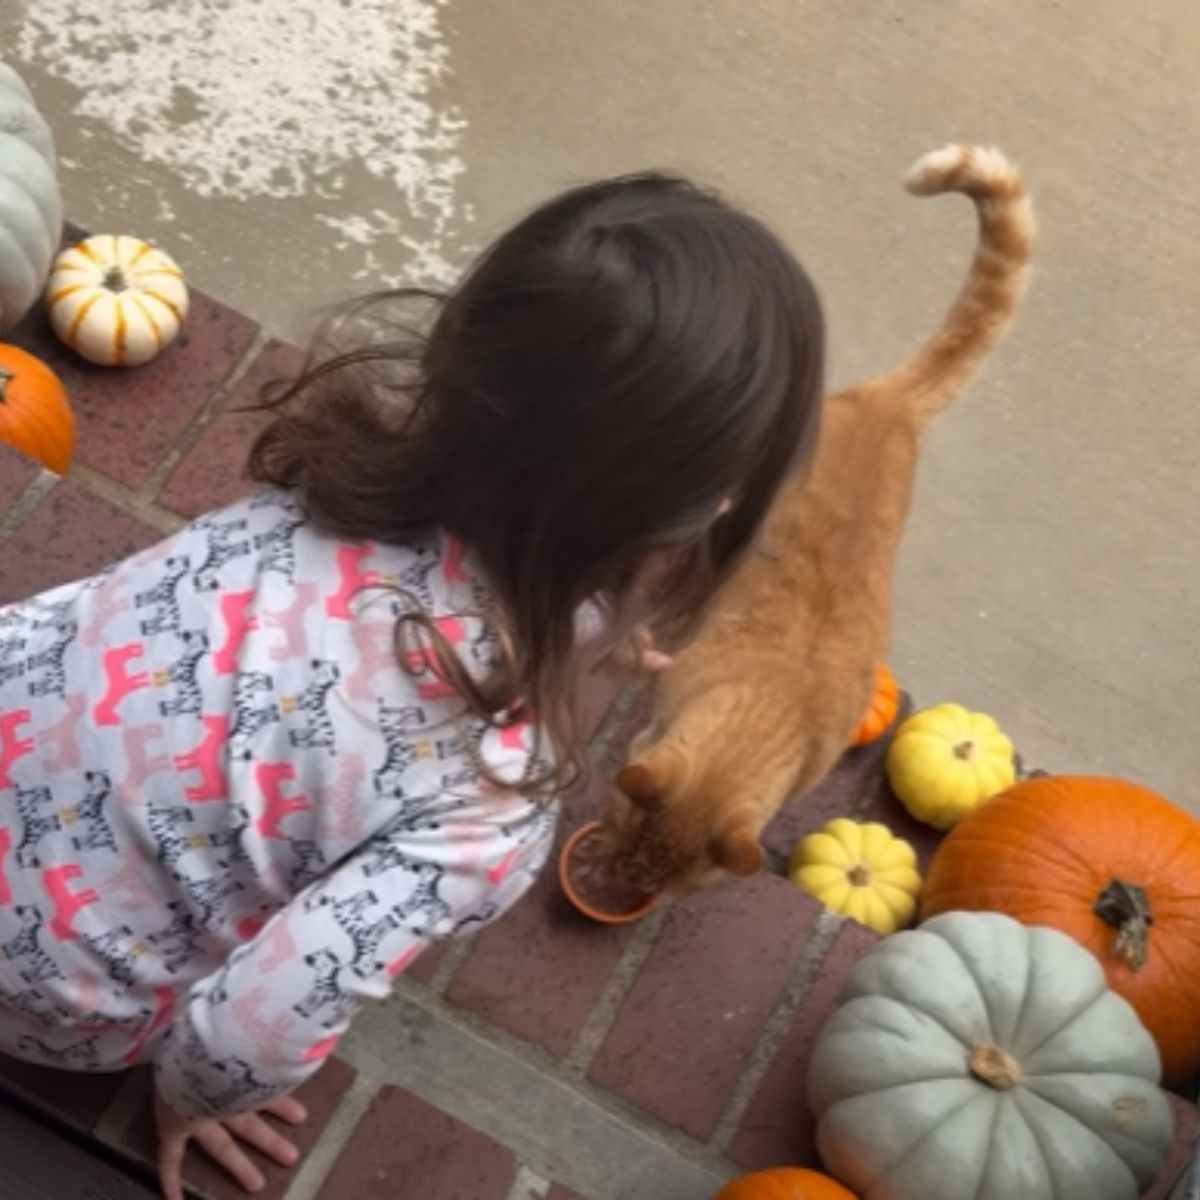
676, 825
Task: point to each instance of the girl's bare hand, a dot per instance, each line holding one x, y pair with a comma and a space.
637, 653
221, 1139
647, 657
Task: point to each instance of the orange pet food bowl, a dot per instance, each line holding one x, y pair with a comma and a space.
589, 905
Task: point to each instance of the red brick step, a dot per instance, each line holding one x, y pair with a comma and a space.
696, 1010
405, 1147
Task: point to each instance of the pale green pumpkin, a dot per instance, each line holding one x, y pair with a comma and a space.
977, 1059
30, 202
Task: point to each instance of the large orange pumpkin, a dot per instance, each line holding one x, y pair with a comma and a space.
881, 712
784, 1183
1110, 863
35, 416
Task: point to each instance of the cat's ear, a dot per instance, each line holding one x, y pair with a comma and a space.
652, 775
642, 785
738, 851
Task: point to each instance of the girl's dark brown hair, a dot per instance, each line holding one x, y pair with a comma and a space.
613, 368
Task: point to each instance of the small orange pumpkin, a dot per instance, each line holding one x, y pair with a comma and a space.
882, 710
35, 415
1110, 863
784, 1183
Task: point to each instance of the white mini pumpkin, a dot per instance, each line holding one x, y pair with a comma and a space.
116, 301
30, 203
978, 1059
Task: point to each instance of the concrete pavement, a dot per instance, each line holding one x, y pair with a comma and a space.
1051, 568
292, 151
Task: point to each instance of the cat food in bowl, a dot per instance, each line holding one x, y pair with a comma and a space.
585, 875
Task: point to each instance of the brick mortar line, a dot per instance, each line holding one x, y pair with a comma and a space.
777, 1027
877, 788
134, 503
194, 431
604, 1012
40, 486
529, 1053
456, 955
875, 791
319, 1162
500, 1041
528, 1185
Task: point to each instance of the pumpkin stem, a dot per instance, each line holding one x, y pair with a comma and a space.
114, 279
1026, 772
6, 376
858, 875
1124, 907
995, 1067
964, 750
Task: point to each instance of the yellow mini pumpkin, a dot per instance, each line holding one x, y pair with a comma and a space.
116, 301
860, 870
945, 761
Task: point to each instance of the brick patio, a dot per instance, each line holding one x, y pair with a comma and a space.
693, 1028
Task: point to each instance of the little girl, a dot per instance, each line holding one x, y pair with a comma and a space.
247, 776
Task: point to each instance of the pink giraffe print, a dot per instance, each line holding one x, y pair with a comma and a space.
206, 758
423, 660
130, 880
238, 622
467, 841
452, 563
164, 1011
111, 600
63, 735
319, 1051
401, 964
121, 684
290, 622
351, 580
270, 1037
282, 945
67, 904
338, 808
141, 763
5, 847
12, 745
248, 928
270, 778
512, 736
375, 642
88, 995
504, 868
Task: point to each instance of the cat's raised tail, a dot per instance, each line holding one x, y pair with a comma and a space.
980, 316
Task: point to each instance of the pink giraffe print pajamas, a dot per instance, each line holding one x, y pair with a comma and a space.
227, 817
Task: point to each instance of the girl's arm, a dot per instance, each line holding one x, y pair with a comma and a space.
266, 1020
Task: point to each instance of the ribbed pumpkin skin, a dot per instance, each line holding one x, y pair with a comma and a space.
945, 761
784, 1183
116, 301
882, 710
30, 202
979, 1057
35, 415
1044, 852
860, 870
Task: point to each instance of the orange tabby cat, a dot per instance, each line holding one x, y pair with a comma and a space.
764, 700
